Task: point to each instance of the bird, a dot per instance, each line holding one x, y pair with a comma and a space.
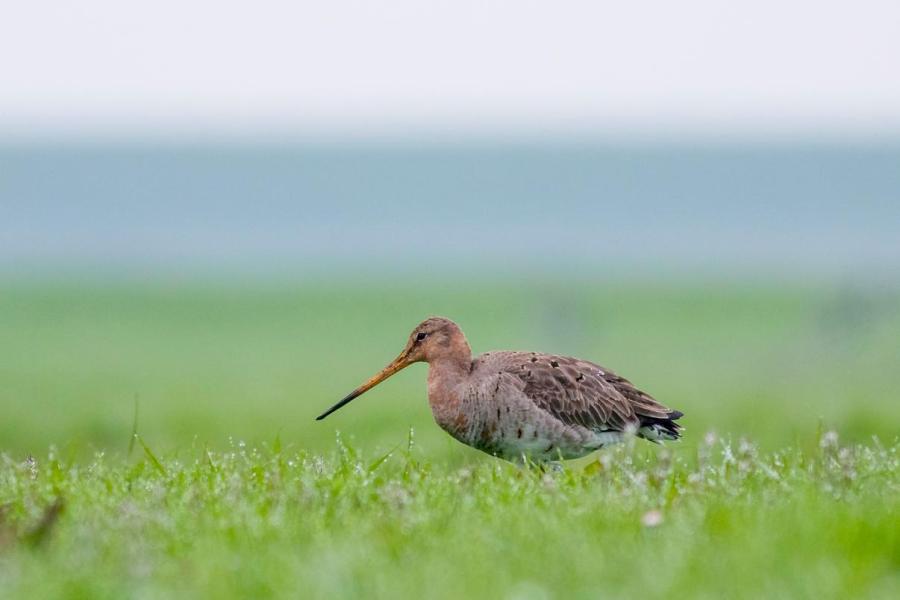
525, 407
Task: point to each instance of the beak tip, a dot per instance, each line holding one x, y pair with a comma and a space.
389, 370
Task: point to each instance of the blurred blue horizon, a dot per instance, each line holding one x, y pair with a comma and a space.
479, 207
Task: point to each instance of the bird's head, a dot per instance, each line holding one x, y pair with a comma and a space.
433, 339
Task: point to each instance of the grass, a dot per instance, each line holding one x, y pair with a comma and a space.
719, 520
181, 509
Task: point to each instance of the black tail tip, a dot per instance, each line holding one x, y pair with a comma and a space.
675, 415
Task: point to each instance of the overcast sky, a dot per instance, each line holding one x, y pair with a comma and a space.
353, 66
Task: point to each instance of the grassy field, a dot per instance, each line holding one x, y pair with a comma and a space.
234, 490
727, 521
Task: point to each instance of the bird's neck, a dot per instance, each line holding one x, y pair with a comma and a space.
452, 362
445, 374
449, 370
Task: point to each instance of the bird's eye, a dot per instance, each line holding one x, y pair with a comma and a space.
421, 336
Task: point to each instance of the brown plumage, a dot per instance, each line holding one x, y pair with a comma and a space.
519, 405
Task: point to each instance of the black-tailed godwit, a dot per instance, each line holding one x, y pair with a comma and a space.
524, 405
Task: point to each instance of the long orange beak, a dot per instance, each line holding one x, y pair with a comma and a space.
399, 363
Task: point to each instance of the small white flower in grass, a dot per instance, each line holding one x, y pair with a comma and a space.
652, 518
606, 461
31, 465
829, 440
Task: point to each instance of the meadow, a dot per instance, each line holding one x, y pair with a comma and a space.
785, 485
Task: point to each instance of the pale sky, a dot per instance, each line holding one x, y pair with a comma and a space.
355, 67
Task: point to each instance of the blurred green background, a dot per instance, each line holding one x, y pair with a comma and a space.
214, 363
233, 291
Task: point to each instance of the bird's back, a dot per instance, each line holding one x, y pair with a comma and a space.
580, 394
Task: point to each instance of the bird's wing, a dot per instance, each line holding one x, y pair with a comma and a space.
579, 392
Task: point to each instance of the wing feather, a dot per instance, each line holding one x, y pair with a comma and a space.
579, 392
